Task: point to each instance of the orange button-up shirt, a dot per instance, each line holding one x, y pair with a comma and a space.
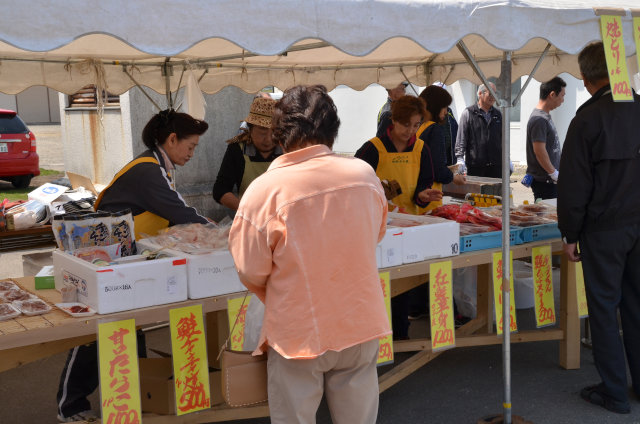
304, 241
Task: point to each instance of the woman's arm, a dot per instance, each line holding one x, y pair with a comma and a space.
229, 175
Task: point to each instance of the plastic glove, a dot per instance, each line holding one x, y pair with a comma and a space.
462, 167
554, 176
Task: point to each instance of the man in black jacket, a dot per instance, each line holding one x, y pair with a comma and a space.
479, 139
599, 208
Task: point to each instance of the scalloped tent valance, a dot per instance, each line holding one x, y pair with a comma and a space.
252, 44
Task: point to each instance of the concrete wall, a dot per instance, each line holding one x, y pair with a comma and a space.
35, 105
96, 148
7, 101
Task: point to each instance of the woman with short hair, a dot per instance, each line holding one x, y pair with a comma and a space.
304, 240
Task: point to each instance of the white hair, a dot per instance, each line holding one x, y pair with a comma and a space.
482, 88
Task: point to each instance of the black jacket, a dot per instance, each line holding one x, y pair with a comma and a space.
147, 187
479, 142
599, 184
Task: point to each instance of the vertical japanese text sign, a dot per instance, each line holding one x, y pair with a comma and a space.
119, 374
543, 286
236, 310
636, 32
497, 293
190, 364
611, 27
583, 311
443, 333
385, 352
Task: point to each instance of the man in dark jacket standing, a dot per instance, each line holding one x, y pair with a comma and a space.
599, 208
479, 140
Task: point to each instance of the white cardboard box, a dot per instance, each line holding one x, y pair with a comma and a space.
391, 248
124, 286
437, 238
209, 274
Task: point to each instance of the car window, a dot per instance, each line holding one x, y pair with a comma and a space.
12, 125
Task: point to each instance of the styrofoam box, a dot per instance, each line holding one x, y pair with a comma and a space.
391, 248
124, 286
208, 274
437, 238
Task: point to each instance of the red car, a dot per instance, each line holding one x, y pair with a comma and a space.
19, 161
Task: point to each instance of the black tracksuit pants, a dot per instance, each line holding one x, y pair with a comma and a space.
611, 264
80, 377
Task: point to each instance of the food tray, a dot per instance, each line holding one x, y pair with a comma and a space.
488, 240
66, 307
19, 304
15, 295
11, 314
539, 232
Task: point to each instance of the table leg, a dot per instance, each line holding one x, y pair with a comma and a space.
569, 320
484, 297
217, 333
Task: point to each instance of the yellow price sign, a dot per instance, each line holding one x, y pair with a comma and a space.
190, 365
443, 332
119, 373
583, 310
636, 33
611, 27
543, 286
497, 294
236, 310
385, 351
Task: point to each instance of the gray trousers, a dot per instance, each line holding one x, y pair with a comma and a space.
348, 379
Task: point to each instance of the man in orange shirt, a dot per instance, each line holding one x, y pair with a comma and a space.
304, 240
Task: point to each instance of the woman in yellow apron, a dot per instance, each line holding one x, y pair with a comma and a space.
398, 155
145, 185
437, 100
248, 155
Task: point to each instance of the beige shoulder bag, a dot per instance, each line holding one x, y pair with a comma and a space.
244, 377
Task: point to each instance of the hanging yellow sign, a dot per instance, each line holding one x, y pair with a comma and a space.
543, 286
119, 373
611, 27
190, 365
497, 293
583, 310
636, 32
385, 351
443, 332
237, 311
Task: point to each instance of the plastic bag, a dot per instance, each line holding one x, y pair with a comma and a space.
253, 323
465, 290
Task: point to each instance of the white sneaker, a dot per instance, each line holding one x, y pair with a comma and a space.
84, 416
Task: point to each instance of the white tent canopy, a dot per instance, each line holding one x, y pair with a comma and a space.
252, 44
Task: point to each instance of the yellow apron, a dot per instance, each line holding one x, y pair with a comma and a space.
252, 170
404, 167
437, 186
147, 222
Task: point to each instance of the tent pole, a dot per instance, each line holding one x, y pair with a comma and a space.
474, 64
504, 82
505, 108
167, 73
141, 88
533, 72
